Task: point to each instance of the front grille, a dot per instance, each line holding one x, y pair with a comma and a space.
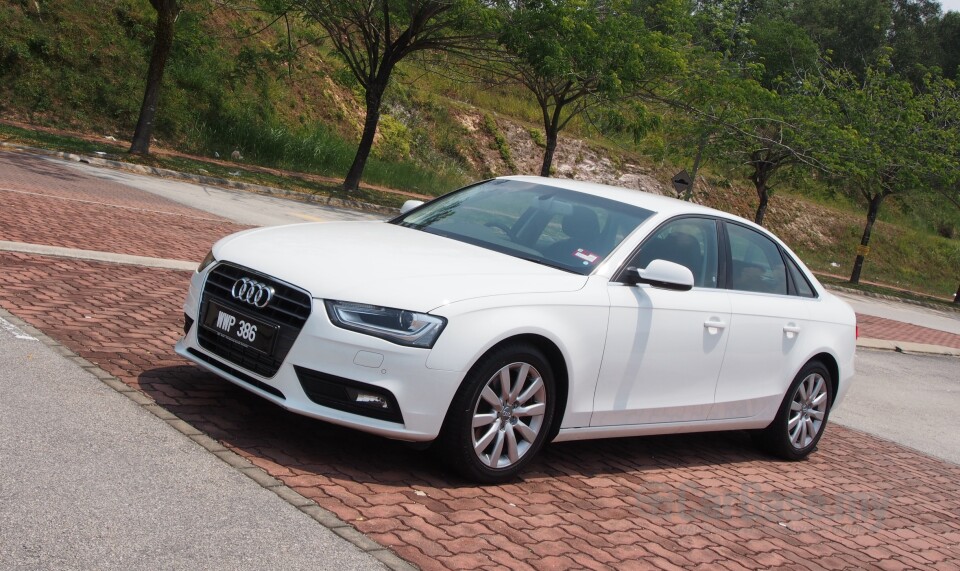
288, 309
238, 374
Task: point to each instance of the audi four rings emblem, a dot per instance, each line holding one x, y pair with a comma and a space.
252, 292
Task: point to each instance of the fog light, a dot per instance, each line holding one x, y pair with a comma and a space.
368, 399
349, 396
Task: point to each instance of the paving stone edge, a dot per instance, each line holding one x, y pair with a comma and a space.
208, 180
322, 516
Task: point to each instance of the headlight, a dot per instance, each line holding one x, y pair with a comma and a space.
395, 325
209, 259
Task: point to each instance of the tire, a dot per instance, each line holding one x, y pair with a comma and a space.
494, 428
803, 414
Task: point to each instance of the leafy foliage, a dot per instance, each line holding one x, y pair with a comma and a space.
894, 136
573, 55
372, 37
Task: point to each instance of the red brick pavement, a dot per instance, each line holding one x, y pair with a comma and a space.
879, 328
81, 211
696, 501
36, 175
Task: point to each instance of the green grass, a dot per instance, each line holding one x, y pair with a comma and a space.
11, 134
320, 151
899, 257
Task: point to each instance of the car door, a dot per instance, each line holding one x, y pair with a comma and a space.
769, 325
665, 348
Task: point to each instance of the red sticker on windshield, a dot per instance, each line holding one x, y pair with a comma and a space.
586, 255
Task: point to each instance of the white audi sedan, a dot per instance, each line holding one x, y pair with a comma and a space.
523, 310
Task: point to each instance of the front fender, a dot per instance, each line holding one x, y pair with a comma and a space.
575, 322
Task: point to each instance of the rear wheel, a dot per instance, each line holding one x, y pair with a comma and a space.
802, 417
501, 416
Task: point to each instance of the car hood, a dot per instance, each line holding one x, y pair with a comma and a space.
388, 265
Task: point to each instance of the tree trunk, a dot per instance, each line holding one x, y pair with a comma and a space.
701, 145
552, 136
374, 97
764, 197
863, 250
764, 163
167, 11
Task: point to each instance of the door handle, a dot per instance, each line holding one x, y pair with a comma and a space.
791, 331
713, 326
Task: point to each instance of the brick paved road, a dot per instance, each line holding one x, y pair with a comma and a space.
880, 328
693, 501
44, 204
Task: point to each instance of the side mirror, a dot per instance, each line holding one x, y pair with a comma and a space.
410, 205
663, 274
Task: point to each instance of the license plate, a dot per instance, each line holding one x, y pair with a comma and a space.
239, 327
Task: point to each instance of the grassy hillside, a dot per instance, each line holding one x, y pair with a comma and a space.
80, 65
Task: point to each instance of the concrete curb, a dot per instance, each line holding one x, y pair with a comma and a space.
945, 306
322, 516
208, 180
96, 256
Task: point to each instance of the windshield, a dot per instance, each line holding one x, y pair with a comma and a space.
561, 228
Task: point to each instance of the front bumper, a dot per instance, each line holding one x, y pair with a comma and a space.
327, 362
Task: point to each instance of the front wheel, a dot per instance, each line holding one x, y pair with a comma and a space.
501, 416
802, 417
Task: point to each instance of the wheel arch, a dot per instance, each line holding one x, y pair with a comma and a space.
830, 362
557, 362
560, 372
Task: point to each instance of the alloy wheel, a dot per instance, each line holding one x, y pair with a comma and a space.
808, 409
508, 415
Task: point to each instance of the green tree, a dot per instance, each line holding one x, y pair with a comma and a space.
895, 138
716, 98
731, 117
913, 37
373, 36
732, 111
575, 55
791, 131
854, 33
849, 32
167, 12
948, 38
785, 51
943, 114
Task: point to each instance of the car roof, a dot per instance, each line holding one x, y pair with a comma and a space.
655, 202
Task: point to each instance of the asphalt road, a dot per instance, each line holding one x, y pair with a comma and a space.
236, 205
910, 399
89, 480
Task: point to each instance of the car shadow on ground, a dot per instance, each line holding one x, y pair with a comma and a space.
256, 427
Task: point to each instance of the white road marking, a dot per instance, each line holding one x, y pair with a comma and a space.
96, 256
15, 331
309, 217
